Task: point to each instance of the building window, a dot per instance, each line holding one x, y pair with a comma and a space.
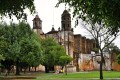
68, 25
35, 24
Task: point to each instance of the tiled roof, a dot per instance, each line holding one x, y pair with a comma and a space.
52, 32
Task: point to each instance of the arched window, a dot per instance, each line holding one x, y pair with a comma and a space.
68, 18
68, 25
35, 24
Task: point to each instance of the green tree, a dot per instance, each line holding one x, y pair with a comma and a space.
14, 35
51, 54
3, 42
64, 60
97, 11
1, 57
58, 51
32, 51
114, 49
118, 59
3, 48
21, 45
4, 45
16, 8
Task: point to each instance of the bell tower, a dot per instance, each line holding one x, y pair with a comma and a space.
67, 32
66, 21
37, 25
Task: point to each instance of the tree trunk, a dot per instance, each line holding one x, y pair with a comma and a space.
29, 68
101, 74
111, 62
101, 64
35, 69
17, 68
9, 71
66, 69
6, 72
24, 70
46, 69
0, 71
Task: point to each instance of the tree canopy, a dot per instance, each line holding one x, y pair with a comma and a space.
64, 60
19, 44
97, 11
112, 49
16, 8
52, 52
118, 59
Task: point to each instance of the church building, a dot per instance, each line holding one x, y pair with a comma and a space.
76, 45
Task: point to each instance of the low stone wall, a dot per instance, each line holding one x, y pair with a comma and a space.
39, 68
71, 68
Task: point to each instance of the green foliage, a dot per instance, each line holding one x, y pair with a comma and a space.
96, 50
64, 60
31, 52
52, 52
18, 42
112, 48
3, 45
115, 50
16, 8
118, 59
2, 58
97, 11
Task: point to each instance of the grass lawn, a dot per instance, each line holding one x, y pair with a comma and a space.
79, 75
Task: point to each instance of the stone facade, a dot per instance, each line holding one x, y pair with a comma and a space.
77, 46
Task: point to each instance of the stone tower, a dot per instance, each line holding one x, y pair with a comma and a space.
66, 21
37, 25
67, 32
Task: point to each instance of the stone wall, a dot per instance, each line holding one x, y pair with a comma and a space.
87, 62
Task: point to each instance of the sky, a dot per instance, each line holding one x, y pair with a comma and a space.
50, 15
